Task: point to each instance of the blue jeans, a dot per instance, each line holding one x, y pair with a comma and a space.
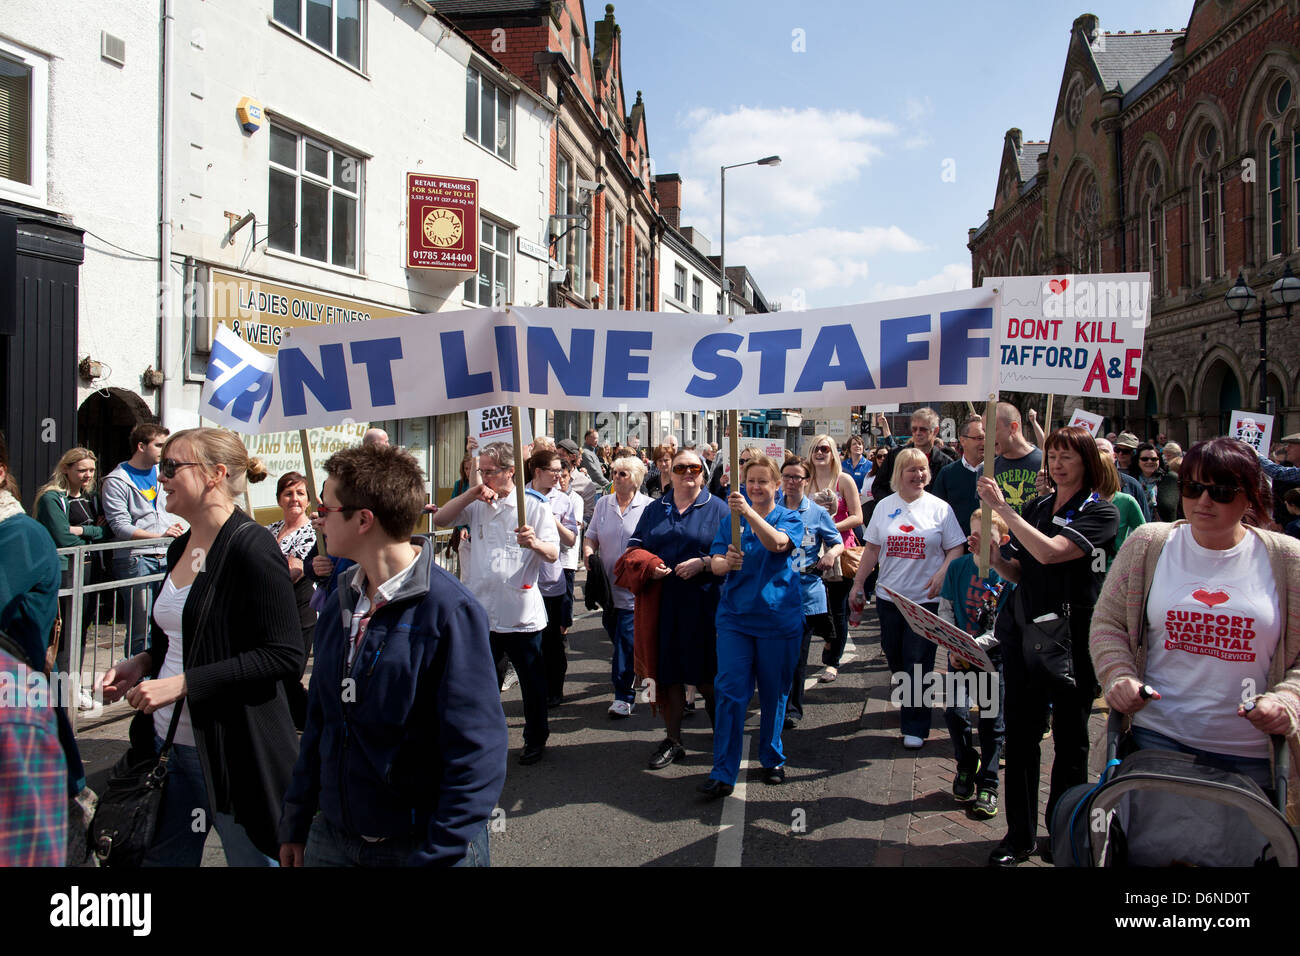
903, 652
992, 733
327, 845
139, 599
620, 668
185, 817
742, 658
1256, 768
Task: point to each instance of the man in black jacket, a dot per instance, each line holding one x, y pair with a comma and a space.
925, 428
403, 756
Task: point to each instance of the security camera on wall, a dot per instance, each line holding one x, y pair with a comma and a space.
591, 187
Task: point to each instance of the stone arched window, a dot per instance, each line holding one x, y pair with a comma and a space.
1151, 222
1017, 267
1208, 192
1279, 180
1083, 225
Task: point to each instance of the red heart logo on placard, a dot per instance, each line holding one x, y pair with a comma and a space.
1210, 598
1058, 285
906, 528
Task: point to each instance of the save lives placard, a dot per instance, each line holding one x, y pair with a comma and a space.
1254, 428
496, 423
1073, 335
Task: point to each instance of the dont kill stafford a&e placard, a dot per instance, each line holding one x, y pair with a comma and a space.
441, 222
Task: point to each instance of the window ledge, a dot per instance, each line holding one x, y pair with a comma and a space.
316, 263
478, 145
319, 49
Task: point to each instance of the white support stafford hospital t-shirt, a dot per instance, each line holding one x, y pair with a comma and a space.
502, 575
1212, 629
912, 539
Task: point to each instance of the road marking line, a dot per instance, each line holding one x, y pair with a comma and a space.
731, 831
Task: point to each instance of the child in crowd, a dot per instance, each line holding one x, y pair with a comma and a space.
1292, 501
971, 604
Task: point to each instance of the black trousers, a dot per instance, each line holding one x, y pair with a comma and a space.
837, 599
525, 652
554, 654
1028, 700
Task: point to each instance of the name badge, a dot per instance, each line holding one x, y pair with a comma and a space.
1058, 520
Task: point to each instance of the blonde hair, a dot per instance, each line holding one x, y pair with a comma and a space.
999, 522
59, 478
904, 460
814, 480
759, 460
216, 446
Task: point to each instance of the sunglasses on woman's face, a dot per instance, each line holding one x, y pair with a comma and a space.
1149, 460
169, 466
1223, 494
685, 469
822, 450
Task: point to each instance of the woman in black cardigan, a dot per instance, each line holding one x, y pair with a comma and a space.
225, 637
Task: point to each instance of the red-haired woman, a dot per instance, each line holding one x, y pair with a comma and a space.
1200, 610
1059, 549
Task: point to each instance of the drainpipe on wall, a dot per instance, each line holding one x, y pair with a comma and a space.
173, 371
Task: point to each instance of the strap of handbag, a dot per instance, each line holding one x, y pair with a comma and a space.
202, 616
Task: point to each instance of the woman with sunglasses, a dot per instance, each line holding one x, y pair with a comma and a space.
1159, 485
225, 639
612, 522
1058, 559
671, 542
1203, 611
833, 488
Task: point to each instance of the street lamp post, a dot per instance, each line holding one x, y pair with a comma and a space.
1286, 292
722, 243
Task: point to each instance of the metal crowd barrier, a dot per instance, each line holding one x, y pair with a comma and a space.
108, 610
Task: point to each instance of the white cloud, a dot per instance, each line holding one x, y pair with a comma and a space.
820, 150
790, 267
954, 276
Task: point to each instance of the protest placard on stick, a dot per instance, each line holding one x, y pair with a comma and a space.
935, 629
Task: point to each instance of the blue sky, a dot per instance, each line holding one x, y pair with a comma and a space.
864, 117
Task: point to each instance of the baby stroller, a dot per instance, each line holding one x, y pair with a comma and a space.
1157, 808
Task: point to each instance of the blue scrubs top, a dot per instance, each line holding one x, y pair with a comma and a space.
860, 471
818, 531
763, 598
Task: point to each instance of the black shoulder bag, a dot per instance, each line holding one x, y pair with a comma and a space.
128, 811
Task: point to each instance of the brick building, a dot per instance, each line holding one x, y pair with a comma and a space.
606, 252
1177, 153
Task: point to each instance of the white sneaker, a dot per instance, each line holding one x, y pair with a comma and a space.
620, 708
912, 743
511, 678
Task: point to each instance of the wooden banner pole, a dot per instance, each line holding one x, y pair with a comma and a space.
733, 449
1047, 421
309, 473
517, 437
984, 560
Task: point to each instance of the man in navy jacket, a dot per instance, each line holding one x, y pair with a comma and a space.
403, 756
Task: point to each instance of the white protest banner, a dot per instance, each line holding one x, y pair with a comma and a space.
773, 448
239, 378
935, 629
933, 348
1254, 428
487, 425
1086, 420
1073, 335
